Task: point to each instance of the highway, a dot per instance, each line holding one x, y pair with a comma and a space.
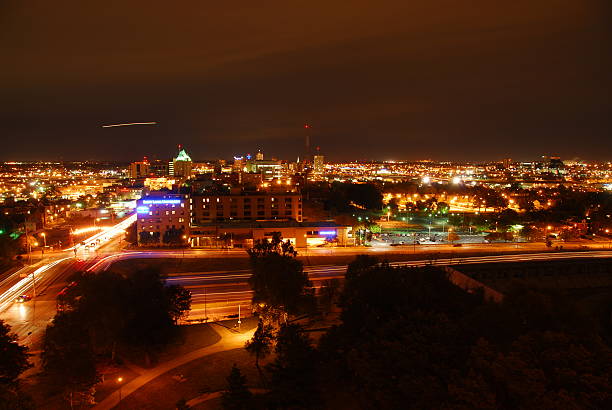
45, 278
217, 294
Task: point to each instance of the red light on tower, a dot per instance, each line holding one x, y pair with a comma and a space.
307, 126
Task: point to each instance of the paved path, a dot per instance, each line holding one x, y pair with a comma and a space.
229, 340
209, 396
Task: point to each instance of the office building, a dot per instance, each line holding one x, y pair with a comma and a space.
139, 169
162, 219
319, 165
207, 208
181, 165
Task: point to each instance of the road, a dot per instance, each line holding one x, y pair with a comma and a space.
216, 295
44, 279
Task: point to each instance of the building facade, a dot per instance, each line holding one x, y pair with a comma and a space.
207, 208
181, 165
244, 234
318, 165
139, 169
163, 220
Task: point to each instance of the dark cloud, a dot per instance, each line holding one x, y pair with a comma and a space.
441, 79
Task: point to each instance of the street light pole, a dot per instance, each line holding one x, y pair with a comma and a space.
119, 381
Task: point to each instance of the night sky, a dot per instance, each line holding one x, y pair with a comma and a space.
406, 79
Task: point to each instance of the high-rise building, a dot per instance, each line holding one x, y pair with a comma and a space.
159, 168
238, 164
318, 164
139, 169
259, 156
182, 164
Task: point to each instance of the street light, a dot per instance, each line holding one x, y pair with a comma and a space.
119, 381
42, 252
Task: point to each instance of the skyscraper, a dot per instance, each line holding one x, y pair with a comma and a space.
319, 164
182, 164
139, 169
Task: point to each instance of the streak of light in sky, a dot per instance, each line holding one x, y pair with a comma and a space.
128, 123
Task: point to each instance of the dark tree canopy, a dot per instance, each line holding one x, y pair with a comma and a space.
279, 283
68, 357
13, 356
411, 339
137, 309
237, 395
294, 371
13, 362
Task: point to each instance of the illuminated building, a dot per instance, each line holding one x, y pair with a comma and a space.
268, 169
243, 234
182, 164
159, 216
238, 164
246, 206
318, 164
155, 184
139, 169
259, 156
159, 168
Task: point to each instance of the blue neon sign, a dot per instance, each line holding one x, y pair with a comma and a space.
161, 201
142, 210
327, 233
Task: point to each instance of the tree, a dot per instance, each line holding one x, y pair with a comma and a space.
329, 293
174, 236
360, 265
237, 395
68, 357
294, 371
182, 405
13, 362
179, 302
275, 245
8, 247
137, 309
148, 238
279, 283
131, 235
13, 356
261, 343
547, 370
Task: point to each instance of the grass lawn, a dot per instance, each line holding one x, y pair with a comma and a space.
204, 375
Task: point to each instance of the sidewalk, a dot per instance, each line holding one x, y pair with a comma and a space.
229, 340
